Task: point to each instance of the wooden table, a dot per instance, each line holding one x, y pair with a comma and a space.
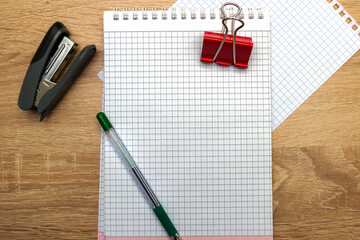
49, 171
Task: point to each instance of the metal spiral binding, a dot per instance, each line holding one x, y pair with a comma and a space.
241, 15
154, 14
260, 13
173, 13
144, 14
163, 13
212, 13
193, 14
251, 13
183, 14
202, 13
125, 14
116, 14
135, 14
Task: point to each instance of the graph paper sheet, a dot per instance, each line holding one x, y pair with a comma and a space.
200, 133
310, 42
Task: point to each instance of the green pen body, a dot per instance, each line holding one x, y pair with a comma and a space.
138, 176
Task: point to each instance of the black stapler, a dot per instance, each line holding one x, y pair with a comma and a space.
40, 89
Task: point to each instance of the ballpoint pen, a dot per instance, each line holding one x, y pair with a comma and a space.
139, 178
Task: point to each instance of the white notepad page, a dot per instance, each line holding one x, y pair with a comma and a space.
200, 133
310, 42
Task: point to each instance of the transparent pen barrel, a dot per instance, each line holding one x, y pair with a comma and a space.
133, 168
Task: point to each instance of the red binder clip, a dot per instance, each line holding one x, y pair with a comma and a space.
227, 49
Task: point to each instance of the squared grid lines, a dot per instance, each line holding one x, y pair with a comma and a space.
200, 135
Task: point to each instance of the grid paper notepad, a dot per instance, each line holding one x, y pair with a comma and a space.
310, 42
200, 133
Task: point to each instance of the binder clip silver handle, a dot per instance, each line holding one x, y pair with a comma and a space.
225, 29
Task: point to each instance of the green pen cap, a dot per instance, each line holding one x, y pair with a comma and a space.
104, 121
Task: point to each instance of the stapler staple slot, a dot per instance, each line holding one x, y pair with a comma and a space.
57, 63
60, 58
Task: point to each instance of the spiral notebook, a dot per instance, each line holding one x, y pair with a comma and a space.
200, 133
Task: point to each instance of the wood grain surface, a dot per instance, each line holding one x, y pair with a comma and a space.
49, 171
